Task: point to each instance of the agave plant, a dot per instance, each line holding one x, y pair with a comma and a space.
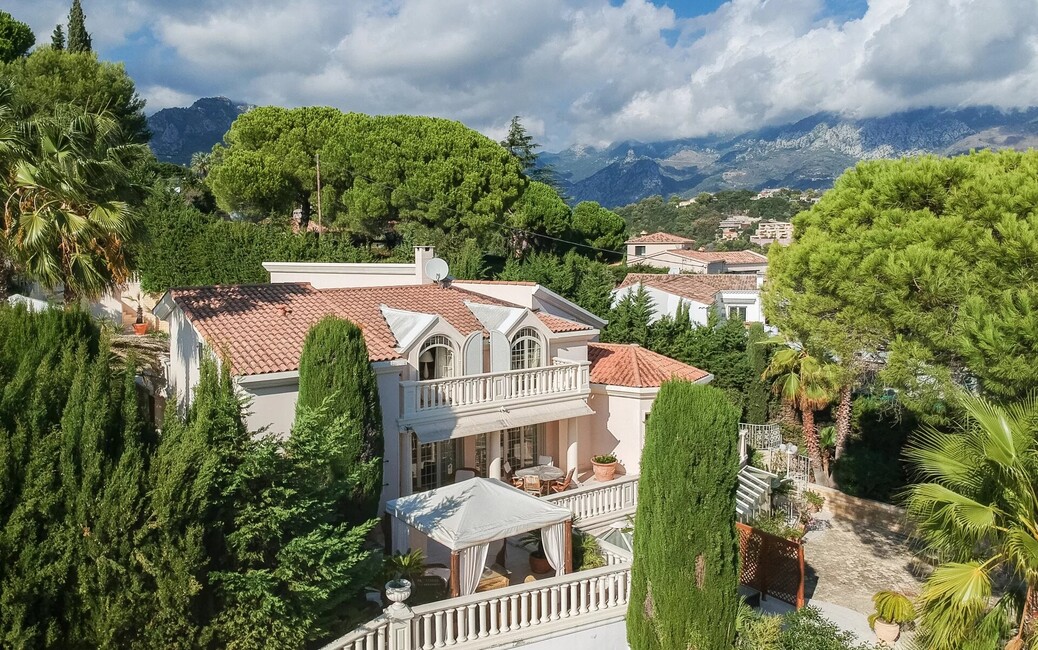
975, 505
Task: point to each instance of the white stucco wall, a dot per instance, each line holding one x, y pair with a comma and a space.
184, 343
606, 635
618, 425
271, 405
650, 250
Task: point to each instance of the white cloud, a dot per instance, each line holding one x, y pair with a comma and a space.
576, 70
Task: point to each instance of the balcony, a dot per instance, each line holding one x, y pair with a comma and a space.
490, 392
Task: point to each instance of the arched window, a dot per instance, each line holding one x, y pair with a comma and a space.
436, 360
526, 349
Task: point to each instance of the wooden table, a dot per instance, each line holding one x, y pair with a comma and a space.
491, 580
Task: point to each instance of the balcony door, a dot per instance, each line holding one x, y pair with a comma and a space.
436, 360
433, 464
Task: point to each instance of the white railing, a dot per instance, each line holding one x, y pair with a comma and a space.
373, 635
761, 436
522, 608
617, 497
493, 389
506, 615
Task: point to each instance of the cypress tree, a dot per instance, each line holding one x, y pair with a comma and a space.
57, 38
334, 365
78, 36
685, 572
758, 393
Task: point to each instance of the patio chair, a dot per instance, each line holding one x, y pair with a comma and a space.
464, 474
532, 485
545, 460
559, 487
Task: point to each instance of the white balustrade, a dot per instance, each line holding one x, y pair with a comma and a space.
761, 436
619, 496
613, 554
522, 609
370, 636
493, 389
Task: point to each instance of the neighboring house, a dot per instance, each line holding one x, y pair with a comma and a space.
731, 227
493, 376
732, 296
645, 246
773, 232
690, 261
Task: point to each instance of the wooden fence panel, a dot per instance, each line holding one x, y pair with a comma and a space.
772, 565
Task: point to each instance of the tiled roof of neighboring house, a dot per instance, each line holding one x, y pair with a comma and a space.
521, 283
728, 257
660, 238
262, 327
635, 366
701, 287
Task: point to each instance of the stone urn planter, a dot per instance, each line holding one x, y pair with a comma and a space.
893, 610
397, 591
604, 467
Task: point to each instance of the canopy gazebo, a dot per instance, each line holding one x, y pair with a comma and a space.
467, 516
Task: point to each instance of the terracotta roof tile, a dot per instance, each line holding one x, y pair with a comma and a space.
701, 287
660, 238
262, 327
635, 366
558, 324
521, 283
729, 257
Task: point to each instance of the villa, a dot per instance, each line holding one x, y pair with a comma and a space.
733, 296
675, 253
495, 396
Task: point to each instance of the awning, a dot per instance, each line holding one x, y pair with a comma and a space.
470, 425
475, 511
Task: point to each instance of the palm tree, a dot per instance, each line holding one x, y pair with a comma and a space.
975, 505
805, 383
66, 186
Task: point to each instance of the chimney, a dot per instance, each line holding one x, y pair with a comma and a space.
422, 254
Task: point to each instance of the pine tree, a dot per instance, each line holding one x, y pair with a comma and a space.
685, 575
78, 36
57, 38
629, 320
334, 364
520, 144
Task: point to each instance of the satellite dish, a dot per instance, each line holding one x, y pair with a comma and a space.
437, 269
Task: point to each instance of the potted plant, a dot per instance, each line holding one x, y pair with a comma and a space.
892, 611
140, 328
408, 566
538, 560
604, 467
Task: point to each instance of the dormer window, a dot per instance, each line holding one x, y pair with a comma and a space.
436, 361
527, 350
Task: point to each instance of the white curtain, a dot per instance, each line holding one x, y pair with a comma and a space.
471, 563
553, 539
399, 531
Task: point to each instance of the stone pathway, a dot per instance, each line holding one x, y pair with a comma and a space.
847, 562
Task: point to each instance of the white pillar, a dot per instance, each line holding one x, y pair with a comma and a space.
573, 450
406, 464
494, 469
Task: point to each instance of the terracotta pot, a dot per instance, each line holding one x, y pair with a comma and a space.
886, 633
539, 563
140, 329
604, 471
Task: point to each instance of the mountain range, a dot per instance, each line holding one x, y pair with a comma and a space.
177, 133
810, 153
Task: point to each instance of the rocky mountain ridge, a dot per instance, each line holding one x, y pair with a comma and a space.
810, 153
177, 133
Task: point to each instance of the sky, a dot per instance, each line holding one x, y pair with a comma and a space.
577, 71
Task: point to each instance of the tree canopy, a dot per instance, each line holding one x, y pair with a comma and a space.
600, 228
520, 144
375, 171
15, 38
931, 263
52, 82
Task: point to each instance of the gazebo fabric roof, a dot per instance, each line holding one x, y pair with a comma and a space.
475, 511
